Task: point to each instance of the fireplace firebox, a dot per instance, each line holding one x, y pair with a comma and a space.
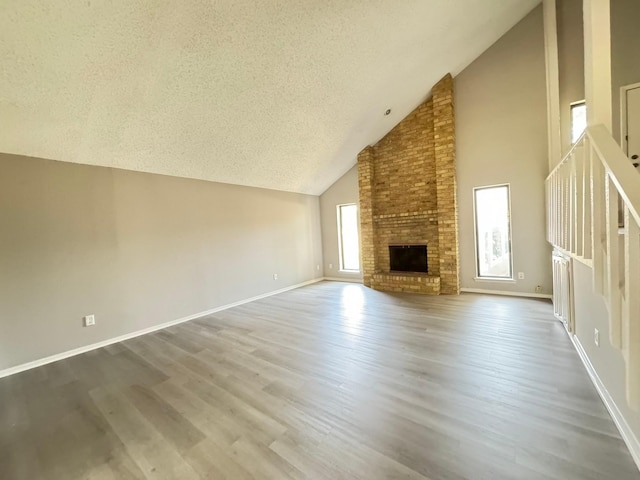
408, 258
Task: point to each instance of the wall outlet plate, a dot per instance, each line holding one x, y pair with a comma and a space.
89, 320
275, 276
520, 275
596, 337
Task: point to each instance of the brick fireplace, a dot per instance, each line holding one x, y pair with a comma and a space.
407, 188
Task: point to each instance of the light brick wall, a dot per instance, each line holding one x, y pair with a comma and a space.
407, 196
445, 166
365, 188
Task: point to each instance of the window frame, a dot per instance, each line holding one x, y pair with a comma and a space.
571, 107
479, 277
341, 241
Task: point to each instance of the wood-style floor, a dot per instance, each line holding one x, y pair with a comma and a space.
331, 381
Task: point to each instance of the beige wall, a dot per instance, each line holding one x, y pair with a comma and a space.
344, 190
591, 313
500, 102
625, 69
570, 63
136, 250
625, 45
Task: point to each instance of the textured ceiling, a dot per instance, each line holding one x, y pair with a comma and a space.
267, 93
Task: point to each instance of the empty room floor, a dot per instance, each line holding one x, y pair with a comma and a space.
329, 381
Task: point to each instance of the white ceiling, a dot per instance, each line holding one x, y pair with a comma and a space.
268, 93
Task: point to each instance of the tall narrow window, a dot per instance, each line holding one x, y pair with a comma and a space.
578, 120
493, 232
348, 237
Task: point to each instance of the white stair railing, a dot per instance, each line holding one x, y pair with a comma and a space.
593, 215
562, 294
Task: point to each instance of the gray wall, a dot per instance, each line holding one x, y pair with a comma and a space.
590, 308
625, 67
591, 313
345, 190
625, 45
501, 137
570, 63
136, 250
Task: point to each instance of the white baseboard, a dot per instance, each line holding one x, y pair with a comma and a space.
339, 279
623, 427
505, 292
77, 351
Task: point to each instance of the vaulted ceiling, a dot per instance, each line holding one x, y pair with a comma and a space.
267, 93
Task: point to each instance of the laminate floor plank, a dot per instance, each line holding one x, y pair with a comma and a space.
329, 381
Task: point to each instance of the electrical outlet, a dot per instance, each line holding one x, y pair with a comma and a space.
275, 276
596, 337
318, 267
520, 275
330, 266
89, 320
538, 288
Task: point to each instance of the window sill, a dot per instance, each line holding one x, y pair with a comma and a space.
349, 271
494, 280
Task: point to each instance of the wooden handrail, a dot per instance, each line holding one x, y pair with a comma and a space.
617, 165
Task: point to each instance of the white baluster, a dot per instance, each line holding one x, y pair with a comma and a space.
613, 267
578, 201
559, 209
597, 221
554, 212
631, 313
586, 231
565, 209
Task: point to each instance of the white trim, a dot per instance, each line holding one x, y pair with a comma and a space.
342, 279
623, 116
623, 427
475, 227
504, 292
571, 105
340, 239
585, 261
494, 279
77, 351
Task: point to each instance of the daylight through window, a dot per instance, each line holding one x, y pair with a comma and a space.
348, 241
578, 120
493, 232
